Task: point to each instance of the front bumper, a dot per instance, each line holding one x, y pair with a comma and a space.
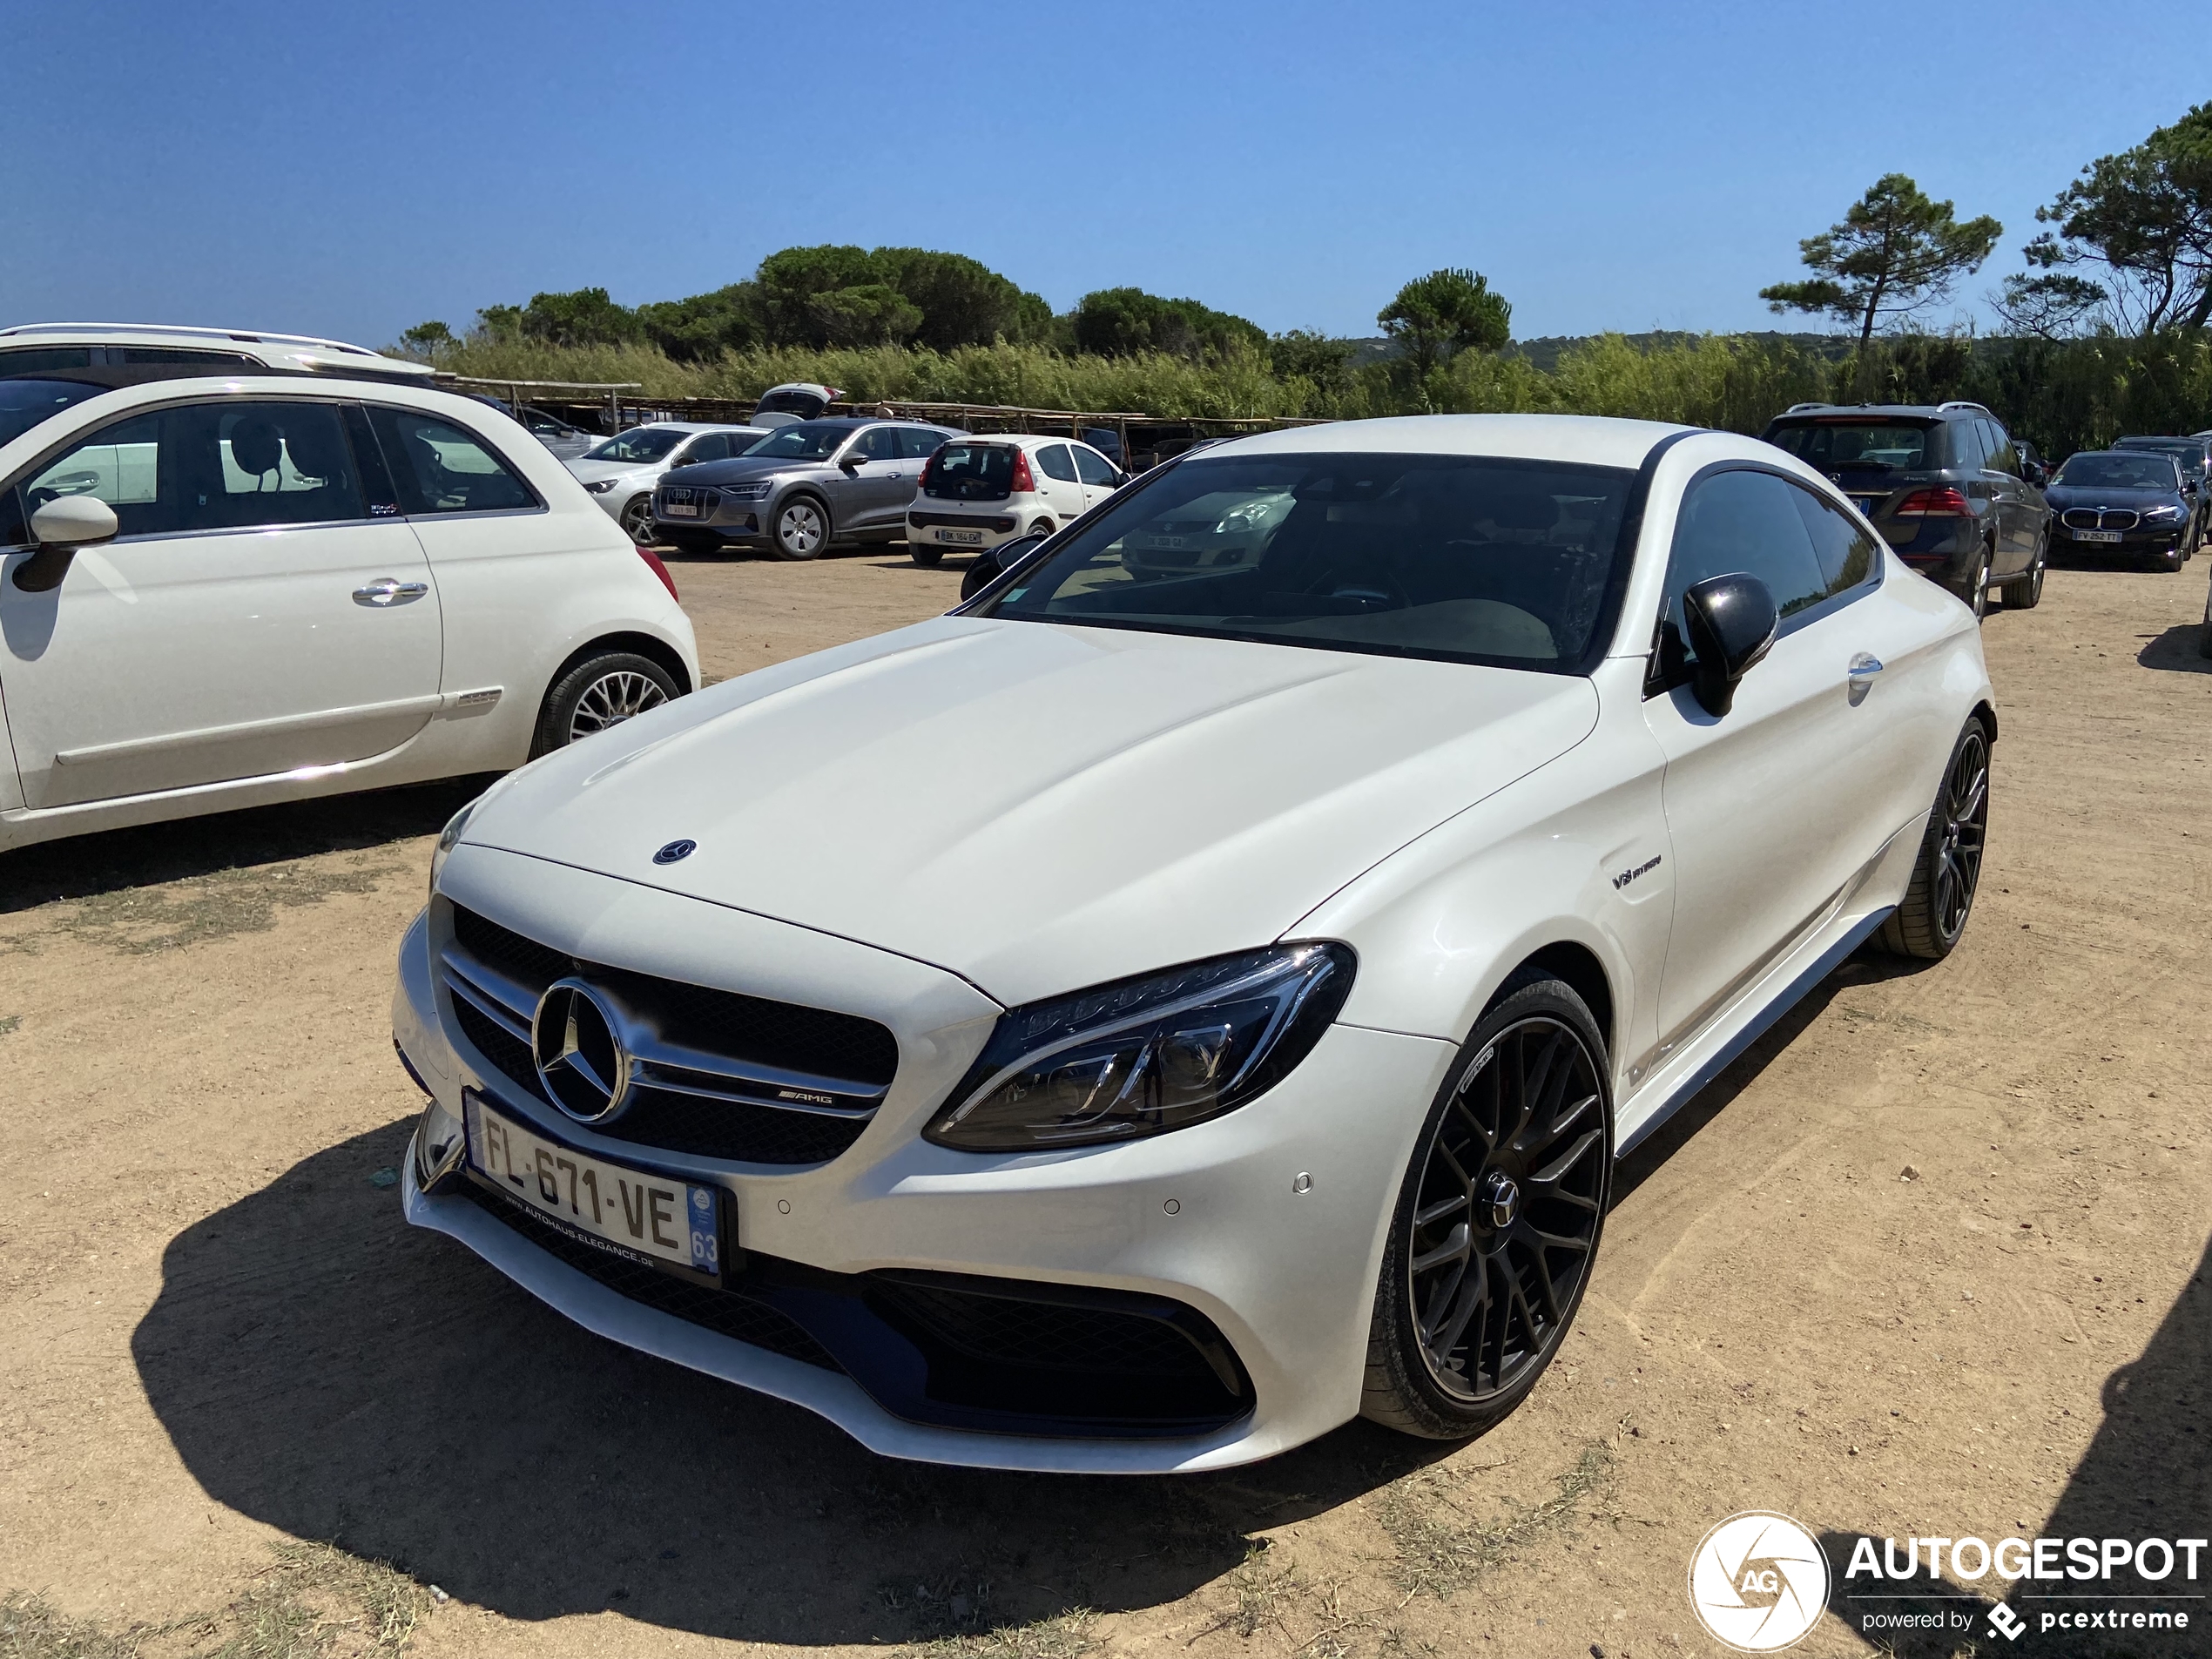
1208, 1217
2146, 538
731, 517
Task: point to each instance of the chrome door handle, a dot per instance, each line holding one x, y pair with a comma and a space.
1860, 680
387, 591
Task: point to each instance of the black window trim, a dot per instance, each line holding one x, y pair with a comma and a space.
40, 462
489, 447
1661, 678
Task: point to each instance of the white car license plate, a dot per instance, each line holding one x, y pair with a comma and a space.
682, 509
651, 1216
2095, 535
966, 538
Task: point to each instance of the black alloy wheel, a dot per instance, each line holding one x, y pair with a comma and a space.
1944, 877
1498, 1222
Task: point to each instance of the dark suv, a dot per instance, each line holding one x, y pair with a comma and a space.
1944, 485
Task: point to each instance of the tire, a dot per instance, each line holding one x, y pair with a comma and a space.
1948, 871
637, 520
1977, 592
602, 691
802, 528
1042, 527
2024, 593
1513, 1189
2170, 562
927, 555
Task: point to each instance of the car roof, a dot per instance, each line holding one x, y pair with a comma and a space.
1885, 412
692, 425
310, 346
1589, 440
113, 375
1022, 440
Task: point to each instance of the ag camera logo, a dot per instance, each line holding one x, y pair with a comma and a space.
1758, 1582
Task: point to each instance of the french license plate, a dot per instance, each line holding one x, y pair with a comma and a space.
654, 1217
682, 509
1166, 543
966, 538
2095, 536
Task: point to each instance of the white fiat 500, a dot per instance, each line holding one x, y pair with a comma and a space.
223, 592
1140, 1020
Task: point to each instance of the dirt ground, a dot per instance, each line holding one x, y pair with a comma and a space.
1930, 1260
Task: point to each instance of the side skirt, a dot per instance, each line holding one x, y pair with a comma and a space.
1755, 1025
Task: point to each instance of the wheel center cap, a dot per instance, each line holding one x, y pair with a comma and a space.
1503, 1198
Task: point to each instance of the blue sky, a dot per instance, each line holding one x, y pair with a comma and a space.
351, 170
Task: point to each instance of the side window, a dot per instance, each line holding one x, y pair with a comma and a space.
1846, 553
441, 469
2002, 456
1092, 468
1741, 523
918, 442
182, 354
246, 464
1965, 437
878, 443
708, 446
1056, 463
121, 465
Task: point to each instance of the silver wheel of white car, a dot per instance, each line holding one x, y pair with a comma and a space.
801, 529
637, 520
599, 692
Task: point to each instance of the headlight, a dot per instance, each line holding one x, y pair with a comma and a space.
601, 486
449, 838
1142, 1056
746, 492
2161, 515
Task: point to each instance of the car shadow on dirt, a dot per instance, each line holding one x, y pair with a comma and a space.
2178, 651
2147, 1474
324, 1368
85, 866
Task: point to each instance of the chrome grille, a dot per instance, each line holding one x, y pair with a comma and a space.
718, 1074
2100, 518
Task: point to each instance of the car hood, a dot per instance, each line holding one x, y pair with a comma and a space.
587, 471
2062, 496
741, 469
1039, 808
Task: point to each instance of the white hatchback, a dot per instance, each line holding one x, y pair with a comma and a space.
219, 593
1143, 1018
977, 492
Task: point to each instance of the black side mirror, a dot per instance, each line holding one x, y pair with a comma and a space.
994, 561
2033, 472
1731, 620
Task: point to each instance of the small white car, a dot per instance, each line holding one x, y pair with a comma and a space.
28, 347
977, 492
1137, 1023
217, 593
623, 472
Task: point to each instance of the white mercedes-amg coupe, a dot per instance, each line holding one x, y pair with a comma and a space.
1161, 1010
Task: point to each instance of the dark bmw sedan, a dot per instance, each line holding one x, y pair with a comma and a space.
2131, 503
804, 487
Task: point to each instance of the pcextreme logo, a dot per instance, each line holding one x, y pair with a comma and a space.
1758, 1582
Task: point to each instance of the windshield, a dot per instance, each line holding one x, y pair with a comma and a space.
972, 472
1457, 558
792, 399
640, 443
2188, 452
1891, 445
808, 440
23, 404
2148, 470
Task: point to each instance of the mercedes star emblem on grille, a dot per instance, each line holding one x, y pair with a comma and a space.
674, 851
576, 1038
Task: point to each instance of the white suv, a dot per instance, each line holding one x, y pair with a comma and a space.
976, 493
29, 347
219, 593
